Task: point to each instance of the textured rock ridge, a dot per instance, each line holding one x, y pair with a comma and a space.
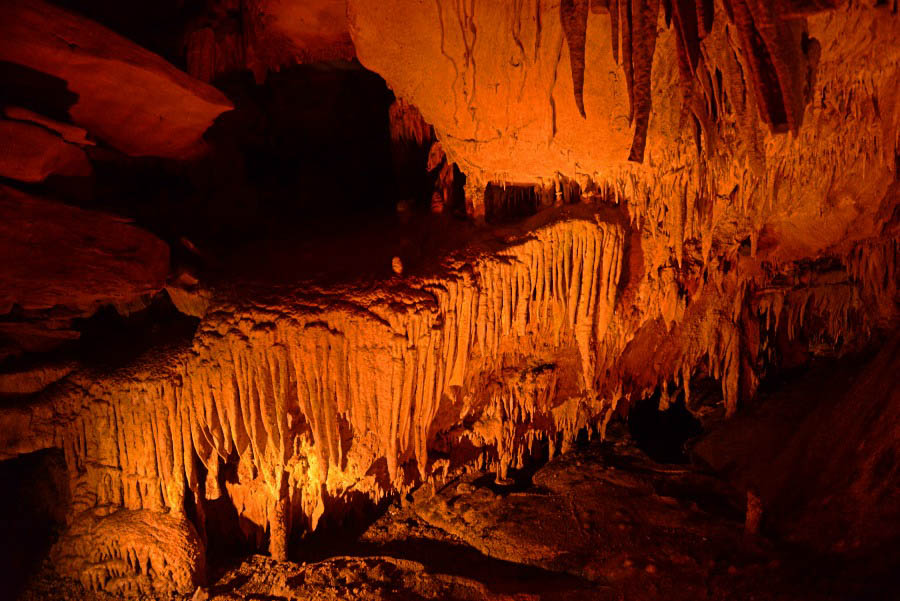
132, 552
287, 409
358, 391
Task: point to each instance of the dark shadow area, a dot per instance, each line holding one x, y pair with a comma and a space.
346, 518
662, 434
510, 203
33, 508
157, 26
308, 147
35, 90
110, 339
504, 577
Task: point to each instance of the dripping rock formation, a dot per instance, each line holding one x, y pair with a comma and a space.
580, 299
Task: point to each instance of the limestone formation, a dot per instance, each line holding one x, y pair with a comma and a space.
347, 390
663, 199
503, 111
132, 552
264, 35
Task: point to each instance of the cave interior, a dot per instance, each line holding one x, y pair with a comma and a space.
509, 300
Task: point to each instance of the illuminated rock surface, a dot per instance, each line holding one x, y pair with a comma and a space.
570, 215
347, 389
131, 552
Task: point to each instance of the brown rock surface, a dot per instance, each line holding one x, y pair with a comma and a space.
842, 418
127, 96
70, 133
33, 378
264, 35
583, 512
30, 153
370, 578
56, 254
20, 337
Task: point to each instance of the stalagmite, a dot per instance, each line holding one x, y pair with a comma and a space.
132, 552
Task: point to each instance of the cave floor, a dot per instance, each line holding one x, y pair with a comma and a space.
600, 522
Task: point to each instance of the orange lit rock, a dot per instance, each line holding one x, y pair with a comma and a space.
33, 379
505, 111
391, 369
722, 204
30, 153
56, 254
721, 244
127, 96
132, 552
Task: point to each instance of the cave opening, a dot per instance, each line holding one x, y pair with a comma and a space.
663, 433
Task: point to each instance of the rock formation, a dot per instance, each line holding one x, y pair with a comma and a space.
126, 96
346, 390
504, 110
31, 153
132, 552
59, 255
659, 194
264, 35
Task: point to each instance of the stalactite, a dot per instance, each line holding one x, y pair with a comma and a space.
574, 15
267, 390
626, 27
645, 15
614, 28
769, 38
